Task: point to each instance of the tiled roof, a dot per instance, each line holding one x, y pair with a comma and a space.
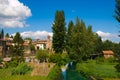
108, 52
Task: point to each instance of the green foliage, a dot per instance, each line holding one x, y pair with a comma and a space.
28, 38
98, 45
2, 34
65, 58
81, 41
14, 62
117, 10
1, 60
17, 49
69, 36
59, 32
18, 39
21, 69
104, 70
32, 47
102, 60
11, 64
55, 58
7, 35
118, 67
55, 73
5, 74
41, 55
59, 59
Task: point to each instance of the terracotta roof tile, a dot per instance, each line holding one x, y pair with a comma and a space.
108, 52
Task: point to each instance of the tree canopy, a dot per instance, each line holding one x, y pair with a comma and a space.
59, 32
117, 11
17, 49
81, 40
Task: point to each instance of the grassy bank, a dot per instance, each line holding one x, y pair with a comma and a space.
103, 70
5, 74
55, 74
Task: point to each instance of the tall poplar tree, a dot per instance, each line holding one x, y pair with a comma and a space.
2, 34
59, 32
81, 41
117, 11
117, 17
69, 36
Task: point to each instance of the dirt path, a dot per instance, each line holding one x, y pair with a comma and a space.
41, 69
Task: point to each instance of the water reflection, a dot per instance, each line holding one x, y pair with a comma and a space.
72, 74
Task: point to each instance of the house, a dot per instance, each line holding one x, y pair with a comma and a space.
6, 42
43, 44
108, 53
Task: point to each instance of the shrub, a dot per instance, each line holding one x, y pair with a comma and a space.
42, 55
60, 59
0, 60
55, 73
21, 69
118, 67
55, 58
111, 60
13, 63
99, 60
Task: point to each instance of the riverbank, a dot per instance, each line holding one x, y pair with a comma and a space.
72, 74
52, 73
104, 70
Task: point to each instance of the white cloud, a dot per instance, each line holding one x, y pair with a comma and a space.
13, 13
36, 34
108, 36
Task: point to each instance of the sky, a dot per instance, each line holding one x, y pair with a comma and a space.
34, 18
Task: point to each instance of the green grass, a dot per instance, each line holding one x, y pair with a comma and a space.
5, 74
104, 70
55, 74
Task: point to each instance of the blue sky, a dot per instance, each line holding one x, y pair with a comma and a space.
38, 16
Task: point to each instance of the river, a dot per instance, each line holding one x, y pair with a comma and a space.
72, 74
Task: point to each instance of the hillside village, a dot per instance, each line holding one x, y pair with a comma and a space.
74, 52
6, 42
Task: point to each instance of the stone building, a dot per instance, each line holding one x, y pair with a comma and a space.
43, 44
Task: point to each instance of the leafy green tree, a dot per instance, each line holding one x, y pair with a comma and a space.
116, 48
55, 58
59, 32
108, 45
21, 69
18, 39
32, 48
69, 36
117, 11
17, 49
77, 41
117, 17
59, 59
42, 55
28, 38
98, 45
2, 33
7, 35
81, 41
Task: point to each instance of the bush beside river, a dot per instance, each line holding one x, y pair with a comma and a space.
103, 70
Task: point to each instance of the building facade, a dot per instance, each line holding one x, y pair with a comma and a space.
43, 44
